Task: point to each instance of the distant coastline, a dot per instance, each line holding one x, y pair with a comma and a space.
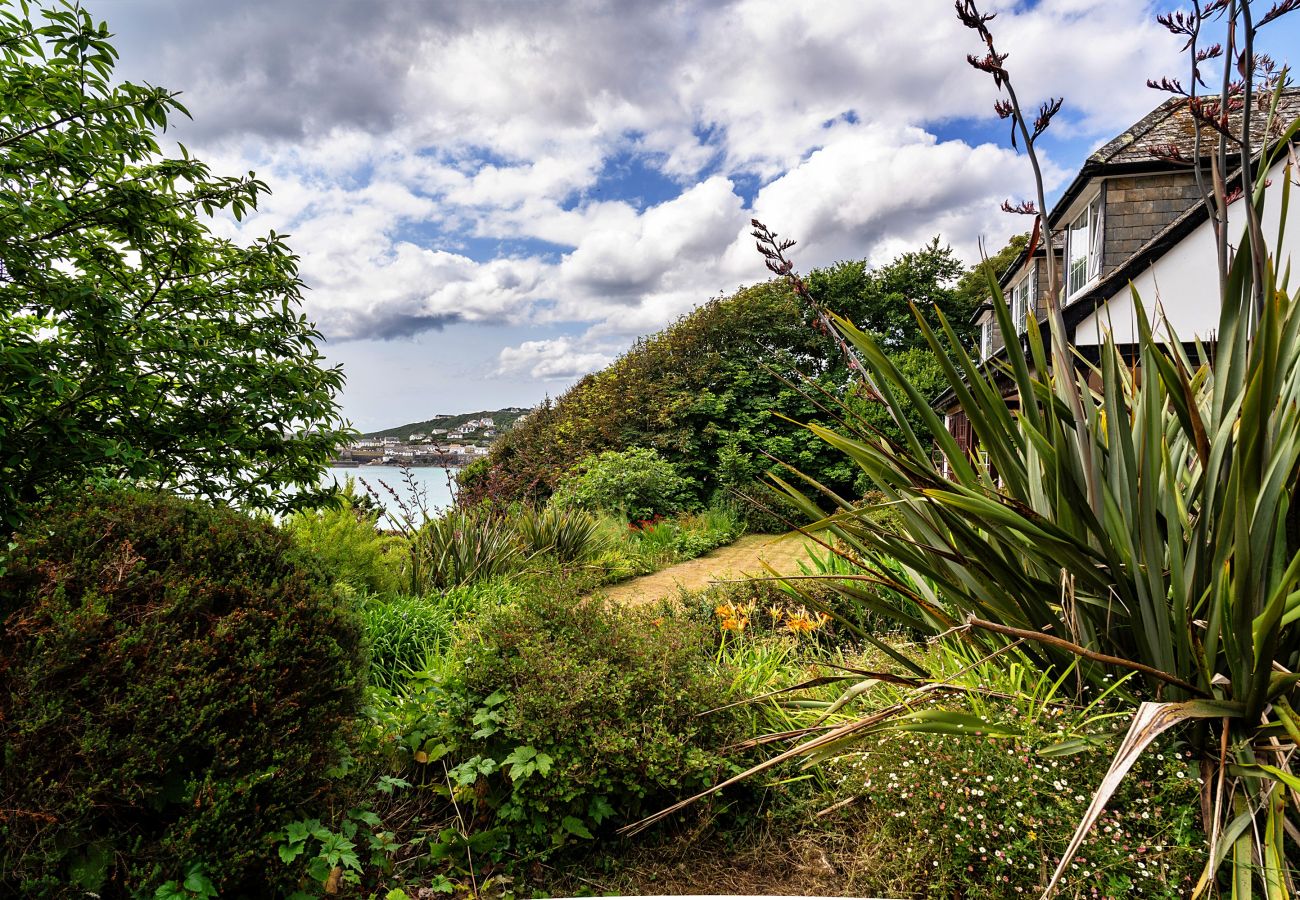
391, 464
445, 441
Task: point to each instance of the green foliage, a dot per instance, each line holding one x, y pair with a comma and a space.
404, 632
195, 886
876, 300
177, 679
136, 344
686, 392
637, 482
924, 371
346, 542
571, 536
558, 719
698, 533
463, 546
360, 842
1150, 519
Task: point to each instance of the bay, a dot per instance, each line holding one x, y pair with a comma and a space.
430, 481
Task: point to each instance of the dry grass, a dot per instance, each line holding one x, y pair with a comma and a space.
820, 858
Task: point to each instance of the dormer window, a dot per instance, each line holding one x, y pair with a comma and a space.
1083, 246
1023, 296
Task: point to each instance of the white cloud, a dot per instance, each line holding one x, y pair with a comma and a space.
556, 359
404, 138
906, 188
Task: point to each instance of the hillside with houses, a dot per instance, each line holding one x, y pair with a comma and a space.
454, 440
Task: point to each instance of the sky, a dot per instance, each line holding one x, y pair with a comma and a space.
491, 199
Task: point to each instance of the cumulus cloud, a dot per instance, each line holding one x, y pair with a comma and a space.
556, 359
906, 187
442, 163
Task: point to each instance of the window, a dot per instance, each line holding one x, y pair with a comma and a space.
986, 339
1023, 295
1084, 247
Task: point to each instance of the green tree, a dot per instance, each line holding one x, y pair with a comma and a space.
711, 380
134, 343
713, 394
877, 300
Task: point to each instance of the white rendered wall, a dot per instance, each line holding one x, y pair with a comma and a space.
1182, 287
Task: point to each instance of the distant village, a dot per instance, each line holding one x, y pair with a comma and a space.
454, 447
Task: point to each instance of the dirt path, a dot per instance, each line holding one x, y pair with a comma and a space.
744, 557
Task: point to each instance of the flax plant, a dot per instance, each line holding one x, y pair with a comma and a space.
1137, 517
1188, 574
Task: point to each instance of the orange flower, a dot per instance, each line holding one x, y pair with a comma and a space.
735, 623
800, 622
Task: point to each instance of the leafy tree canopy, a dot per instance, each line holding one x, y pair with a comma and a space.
877, 299
710, 380
712, 393
133, 342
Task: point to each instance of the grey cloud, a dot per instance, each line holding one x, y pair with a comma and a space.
287, 69
281, 69
384, 325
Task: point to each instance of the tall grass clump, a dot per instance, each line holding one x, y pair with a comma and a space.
570, 535
1136, 516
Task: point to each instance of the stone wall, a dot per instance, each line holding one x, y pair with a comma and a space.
1137, 208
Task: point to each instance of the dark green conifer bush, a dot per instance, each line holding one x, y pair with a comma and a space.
174, 682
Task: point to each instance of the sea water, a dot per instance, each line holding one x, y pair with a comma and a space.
436, 486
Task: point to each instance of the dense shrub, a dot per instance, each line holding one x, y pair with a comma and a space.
638, 482
174, 680
558, 719
698, 533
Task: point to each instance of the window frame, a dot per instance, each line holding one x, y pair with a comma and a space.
1082, 270
986, 339
1024, 297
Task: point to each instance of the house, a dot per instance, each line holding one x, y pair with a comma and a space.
1133, 221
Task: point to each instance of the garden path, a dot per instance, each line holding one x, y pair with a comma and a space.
745, 557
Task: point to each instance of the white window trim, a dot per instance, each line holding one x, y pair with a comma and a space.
986, 339
1093, 215
1020, 311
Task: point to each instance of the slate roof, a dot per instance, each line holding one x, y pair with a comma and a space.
1171, 125
1168, 125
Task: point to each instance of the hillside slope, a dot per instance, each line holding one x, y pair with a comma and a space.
504, 419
